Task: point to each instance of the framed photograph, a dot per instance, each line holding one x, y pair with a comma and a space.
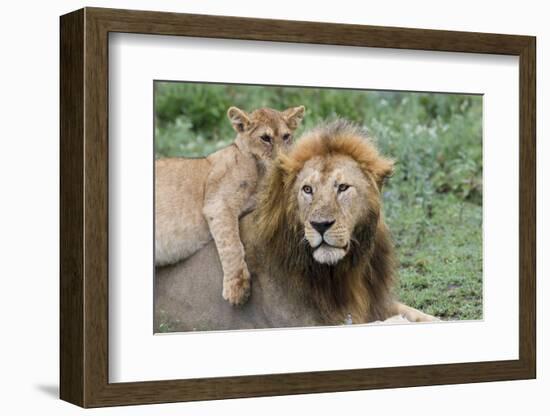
254, 207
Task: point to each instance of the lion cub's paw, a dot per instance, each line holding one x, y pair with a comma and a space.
236, 289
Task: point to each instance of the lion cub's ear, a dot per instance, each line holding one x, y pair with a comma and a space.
239, 119
293, 116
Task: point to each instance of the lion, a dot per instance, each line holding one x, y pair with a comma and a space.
320, 223
317, 243
200, 199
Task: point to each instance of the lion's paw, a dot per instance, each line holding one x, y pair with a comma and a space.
236, 289
417, 316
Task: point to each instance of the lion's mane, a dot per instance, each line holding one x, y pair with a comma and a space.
361, 283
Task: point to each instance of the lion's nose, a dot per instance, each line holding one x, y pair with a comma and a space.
321, 227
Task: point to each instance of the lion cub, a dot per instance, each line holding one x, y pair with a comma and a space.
200, 199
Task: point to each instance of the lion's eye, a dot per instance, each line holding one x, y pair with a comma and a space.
286, 136
266, 138
343, 187
307, 189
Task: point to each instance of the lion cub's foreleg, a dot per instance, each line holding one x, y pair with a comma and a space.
224, 227
227, 196
412, 314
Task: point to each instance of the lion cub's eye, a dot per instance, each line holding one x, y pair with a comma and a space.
343, 187
307, 189
266, 138
286, 136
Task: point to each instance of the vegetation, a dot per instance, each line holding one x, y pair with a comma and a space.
433, 201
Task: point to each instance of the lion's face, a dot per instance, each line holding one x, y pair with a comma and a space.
333, 196
265, 132
318, 223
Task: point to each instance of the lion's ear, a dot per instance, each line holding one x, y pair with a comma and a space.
293, 116
382, 169
239, 119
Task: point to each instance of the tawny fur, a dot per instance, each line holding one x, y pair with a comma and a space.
361, 282
197, 200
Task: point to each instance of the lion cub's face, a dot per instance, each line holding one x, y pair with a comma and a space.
333, 197
264, 132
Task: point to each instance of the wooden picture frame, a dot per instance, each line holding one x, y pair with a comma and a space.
84, 207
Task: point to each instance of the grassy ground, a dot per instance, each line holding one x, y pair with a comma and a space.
432, 203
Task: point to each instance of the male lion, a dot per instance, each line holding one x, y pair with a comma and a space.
319, 219
200, 199
317, 242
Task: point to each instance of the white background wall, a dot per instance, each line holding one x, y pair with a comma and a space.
29, 207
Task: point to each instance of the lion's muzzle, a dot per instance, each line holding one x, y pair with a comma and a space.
329, 240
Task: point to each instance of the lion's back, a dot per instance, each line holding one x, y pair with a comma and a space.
179, 196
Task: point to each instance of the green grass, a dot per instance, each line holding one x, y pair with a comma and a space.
433, 201
441, 260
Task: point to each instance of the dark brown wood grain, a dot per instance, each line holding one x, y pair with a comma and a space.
71, 213
527, 207
84, 207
